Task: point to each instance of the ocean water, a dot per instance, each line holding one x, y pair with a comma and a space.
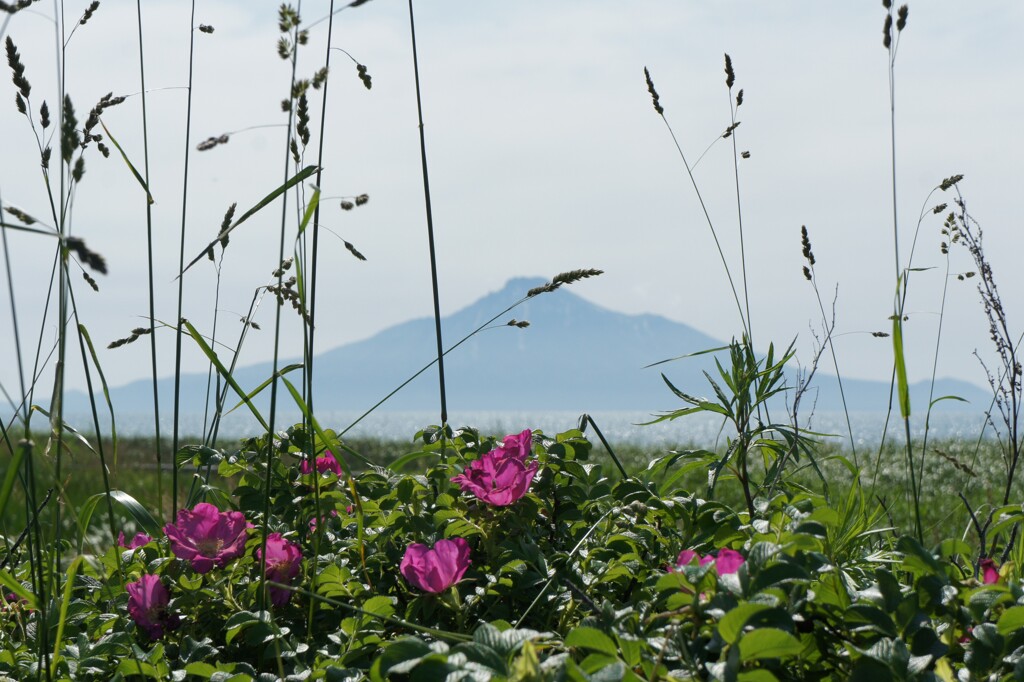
617, 426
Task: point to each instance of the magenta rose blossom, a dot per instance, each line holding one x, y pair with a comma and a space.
501, 476
208, 537
284, 559
726, 561
435, 570
324, 463
147, 605
139, 540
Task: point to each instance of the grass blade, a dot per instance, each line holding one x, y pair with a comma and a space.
291, 182
212, 356
142, 181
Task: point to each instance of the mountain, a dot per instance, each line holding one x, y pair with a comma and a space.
574, 356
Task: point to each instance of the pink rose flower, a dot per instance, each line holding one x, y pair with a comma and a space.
312, 521
208, 537
519, 445
501, 476
989, 572
139, 540
435, 570
324, 463
726, 561
284, 559
147, 605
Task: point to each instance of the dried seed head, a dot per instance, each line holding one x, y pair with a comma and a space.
901, 18
805, 242
728, 131
354, 251
575, 275
19, 102
94, 260
211, 142
364, 76
302, 126
93, 6
20, 215
362, 199
104, 150
950, 181
939, 209
887, 3
347, 205
79, 170
205, 28
319, 78
739, 98
90, 280
44, 115
522, 324
887, 32
136, 333
654, 93
18, 69
294, 146
745, 155
69, 138
807, 273
880, 335
284, 48
46, 157
730, 75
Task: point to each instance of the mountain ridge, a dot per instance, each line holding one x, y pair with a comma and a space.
575, 355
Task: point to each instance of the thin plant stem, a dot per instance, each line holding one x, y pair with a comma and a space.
430, 223
149, 264
181, 267
711, 225
311, 327
277, 317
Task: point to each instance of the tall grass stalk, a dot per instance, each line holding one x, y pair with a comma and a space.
891, 45
289, 137
310, 347
149, 265
707, 216
430, 222
181, 264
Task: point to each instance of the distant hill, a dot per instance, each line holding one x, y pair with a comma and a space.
574, 356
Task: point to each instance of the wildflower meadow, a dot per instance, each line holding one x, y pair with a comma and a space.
292, 554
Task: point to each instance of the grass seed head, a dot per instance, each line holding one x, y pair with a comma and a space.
654, 93
730, 75
89, 11
887, 32
901, 18
205, 28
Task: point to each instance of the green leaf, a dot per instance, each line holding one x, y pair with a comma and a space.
769, 643
212, 357
291, 182
731, 626
903, 388
256, 391
12, 584
1012, 620
584, 637
138, 176
69, 584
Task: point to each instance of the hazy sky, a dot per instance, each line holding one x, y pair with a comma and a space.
545, 155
